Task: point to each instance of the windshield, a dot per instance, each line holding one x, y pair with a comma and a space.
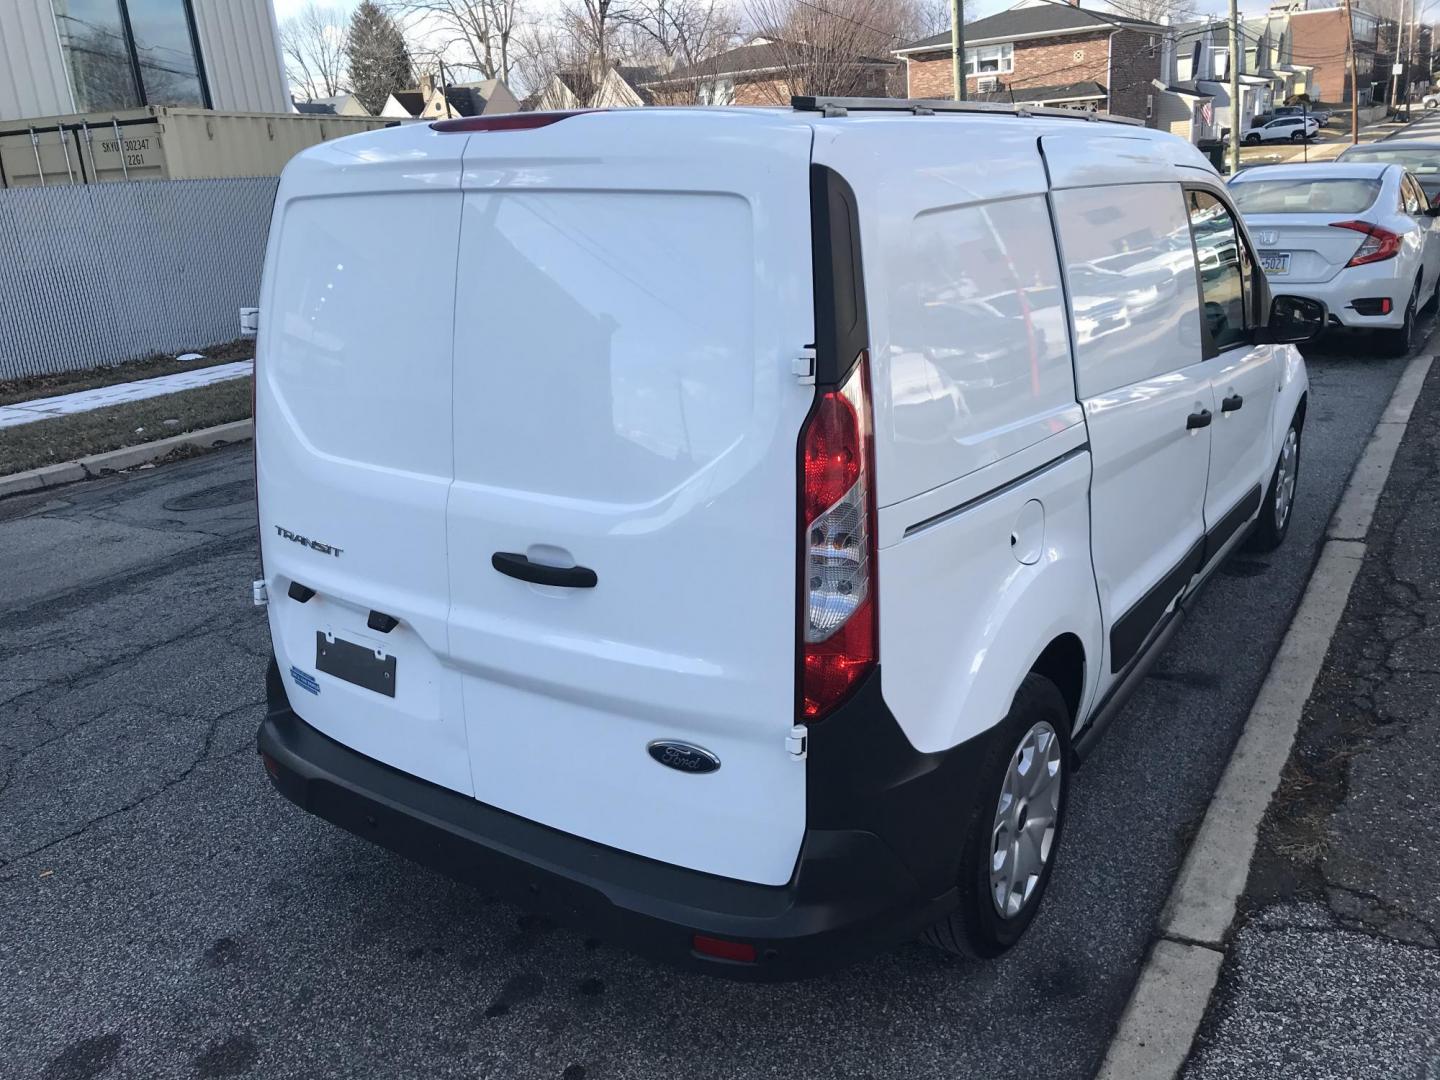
1420, 162
1302, 196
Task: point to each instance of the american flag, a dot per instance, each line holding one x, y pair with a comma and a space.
1207, 113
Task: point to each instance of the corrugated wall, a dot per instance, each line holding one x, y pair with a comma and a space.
241, 49
101, 273
32, 73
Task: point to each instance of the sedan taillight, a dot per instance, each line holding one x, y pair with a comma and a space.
1379, 244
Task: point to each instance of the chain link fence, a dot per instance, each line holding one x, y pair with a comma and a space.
96, 274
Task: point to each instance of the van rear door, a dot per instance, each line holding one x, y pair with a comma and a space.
353, 444
633, 287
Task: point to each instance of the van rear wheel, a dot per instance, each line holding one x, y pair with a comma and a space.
1010, 849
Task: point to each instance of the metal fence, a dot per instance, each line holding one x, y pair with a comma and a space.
97, 274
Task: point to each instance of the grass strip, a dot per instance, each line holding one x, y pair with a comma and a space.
66, 438
71, 382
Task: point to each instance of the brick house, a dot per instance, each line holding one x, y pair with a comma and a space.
1317, 40
759, 72
1047, 54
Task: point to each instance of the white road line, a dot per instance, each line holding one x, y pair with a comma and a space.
27, 412
1174, 988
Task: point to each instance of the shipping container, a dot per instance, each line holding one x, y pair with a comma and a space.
162, 143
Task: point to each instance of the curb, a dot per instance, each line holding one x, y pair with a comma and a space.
1168, 1003
127, 457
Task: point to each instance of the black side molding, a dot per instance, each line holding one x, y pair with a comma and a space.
1131, 629
841, 329
519, 566
1228, 525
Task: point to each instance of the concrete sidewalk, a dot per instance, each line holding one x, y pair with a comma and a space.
1333, 970
26, 412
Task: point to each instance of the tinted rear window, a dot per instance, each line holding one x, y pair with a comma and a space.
1301, 196
1420, 162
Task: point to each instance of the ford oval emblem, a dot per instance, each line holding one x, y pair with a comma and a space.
686, 757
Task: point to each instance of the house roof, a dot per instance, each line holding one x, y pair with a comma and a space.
1079, 91
1043, 20
759, 56
412, 101
315, 108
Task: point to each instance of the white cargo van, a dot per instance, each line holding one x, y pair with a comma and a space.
725, 530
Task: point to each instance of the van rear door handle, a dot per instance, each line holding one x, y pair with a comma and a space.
519, 566
1198, 420
1231, 403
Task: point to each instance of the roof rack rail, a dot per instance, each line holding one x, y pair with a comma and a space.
843, 106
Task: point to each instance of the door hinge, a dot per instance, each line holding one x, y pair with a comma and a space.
803, 367
798, 741
259, 593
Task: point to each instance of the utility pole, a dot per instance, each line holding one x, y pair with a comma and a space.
1236, 47
957, 47
1354, 79
1399, 61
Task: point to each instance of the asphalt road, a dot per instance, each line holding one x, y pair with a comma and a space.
165, 914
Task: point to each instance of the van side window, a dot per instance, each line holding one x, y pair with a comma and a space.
979, 353
1225, 272
1130, 266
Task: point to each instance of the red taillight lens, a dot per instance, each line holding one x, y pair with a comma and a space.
508, 121
1379, 244
838, 635
739, 952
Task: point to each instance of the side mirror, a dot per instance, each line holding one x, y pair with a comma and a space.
1433, 210
1293, 320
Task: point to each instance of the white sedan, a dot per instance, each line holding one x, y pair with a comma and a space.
1360, 238
1284, 129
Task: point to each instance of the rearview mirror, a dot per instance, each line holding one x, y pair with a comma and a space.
1293, 320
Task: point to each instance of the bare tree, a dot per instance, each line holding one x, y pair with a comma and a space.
315, 43
475, 34
682, 32
594, 24
831, 47
543, 48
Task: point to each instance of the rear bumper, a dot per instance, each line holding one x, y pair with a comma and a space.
1360, 282
875, 878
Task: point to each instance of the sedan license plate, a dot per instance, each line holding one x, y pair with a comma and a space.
1275, 262
357, 664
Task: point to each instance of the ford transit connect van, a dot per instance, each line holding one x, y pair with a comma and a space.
725, 530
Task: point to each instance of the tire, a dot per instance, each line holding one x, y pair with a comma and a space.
1251, 140
1431, 103
1038, 723
1398, 342
1279, 504
1298, 137
1433, 304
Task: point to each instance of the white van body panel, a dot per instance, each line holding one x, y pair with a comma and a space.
974, 393
353, 436
627, 316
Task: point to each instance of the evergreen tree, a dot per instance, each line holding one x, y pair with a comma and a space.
379, 61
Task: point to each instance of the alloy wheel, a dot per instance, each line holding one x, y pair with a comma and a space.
1026, 818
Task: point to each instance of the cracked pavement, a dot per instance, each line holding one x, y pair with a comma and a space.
1335, 968
166, 914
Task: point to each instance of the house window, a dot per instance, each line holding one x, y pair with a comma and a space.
1220, 62
990, 59
125, 53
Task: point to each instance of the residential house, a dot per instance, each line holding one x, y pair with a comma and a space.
1318, 40
1046, 54
339, 105
620, 87
62, 57
1194, 98
761, 72
433, 101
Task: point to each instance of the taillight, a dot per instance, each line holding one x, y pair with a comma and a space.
838, 638
508, 121
1379, 244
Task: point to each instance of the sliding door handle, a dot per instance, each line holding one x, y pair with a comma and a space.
1198, 420
1231, 403
519, 566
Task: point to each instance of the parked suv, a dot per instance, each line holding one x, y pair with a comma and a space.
735, 538
1283, 129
